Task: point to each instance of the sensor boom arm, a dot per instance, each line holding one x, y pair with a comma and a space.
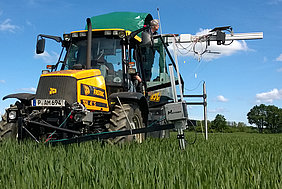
188, 38
216, 34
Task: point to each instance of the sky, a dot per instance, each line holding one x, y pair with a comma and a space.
244, 74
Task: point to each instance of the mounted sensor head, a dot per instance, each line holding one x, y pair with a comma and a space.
220, 35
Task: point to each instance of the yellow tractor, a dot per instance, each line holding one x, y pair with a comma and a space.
112, 81
94, 87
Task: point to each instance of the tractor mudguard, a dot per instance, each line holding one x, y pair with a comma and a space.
139, 98
20, 96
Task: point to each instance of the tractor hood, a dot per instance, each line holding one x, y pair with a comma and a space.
78, 74
82, 86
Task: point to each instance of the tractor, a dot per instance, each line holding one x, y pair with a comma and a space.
93, 88
113, 81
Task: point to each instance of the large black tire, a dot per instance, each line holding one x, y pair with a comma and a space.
119, 121
7, 130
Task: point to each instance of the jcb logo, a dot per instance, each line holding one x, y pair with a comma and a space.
52, 91
98, 93
86, 90
155, 97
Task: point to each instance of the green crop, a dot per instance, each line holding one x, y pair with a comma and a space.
224, 161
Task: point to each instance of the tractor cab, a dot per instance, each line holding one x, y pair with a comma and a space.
121, 56
106, 54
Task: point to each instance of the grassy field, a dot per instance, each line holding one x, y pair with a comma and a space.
226, 161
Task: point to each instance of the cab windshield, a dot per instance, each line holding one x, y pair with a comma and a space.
106, 55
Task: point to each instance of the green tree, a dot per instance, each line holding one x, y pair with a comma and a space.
241, 126
219, 123
280, 121
272, 118
266, 117
257, 116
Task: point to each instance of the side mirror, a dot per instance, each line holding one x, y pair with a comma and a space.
147, 39
40, 46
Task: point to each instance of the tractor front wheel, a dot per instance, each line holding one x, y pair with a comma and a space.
125, 117
7, 130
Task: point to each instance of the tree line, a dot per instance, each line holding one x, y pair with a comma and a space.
267, 119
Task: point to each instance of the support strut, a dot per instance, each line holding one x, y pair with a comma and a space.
54, 127
112, 134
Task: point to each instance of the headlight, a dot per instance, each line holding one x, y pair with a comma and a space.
12, 115
115, 32
74, 35
82, 34
67, 37
121, 34
108, 32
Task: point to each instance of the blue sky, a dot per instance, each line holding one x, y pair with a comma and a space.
245, 74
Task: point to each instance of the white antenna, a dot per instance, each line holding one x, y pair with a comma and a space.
160, 20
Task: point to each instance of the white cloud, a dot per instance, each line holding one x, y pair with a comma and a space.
221, 98
217, 110
279, 58
31, 89
2, 81
269, 97
214, 51
47, 58
7, 26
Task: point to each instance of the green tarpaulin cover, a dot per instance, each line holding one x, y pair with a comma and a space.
121, 20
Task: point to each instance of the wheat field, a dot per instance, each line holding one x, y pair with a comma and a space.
236, 160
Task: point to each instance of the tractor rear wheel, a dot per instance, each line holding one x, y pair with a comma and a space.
119, 121
7, 130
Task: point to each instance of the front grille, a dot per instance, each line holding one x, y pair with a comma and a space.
57, 87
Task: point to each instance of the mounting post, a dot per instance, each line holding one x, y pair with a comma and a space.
205, 110
204, 103
176, 112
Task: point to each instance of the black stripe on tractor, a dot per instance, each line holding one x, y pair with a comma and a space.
88, 77
88, 90
74, 77
62, 87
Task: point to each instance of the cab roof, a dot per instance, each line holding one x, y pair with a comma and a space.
129, 21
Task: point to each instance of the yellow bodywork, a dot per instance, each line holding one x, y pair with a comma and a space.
91, 87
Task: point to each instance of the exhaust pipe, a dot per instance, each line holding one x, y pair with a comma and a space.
89, 42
